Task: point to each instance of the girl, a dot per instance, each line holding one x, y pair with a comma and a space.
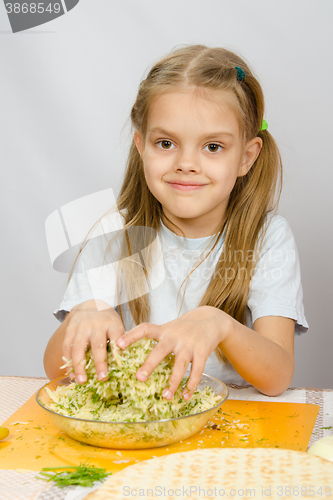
204, 172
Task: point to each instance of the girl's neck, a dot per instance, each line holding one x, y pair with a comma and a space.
191, 230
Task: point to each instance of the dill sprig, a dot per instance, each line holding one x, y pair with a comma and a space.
79, 476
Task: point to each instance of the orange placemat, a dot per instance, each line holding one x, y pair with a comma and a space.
35, 442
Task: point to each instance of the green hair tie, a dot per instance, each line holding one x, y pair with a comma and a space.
240, 74
264, 125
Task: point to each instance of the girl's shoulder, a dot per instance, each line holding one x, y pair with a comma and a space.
273, 221
276, 233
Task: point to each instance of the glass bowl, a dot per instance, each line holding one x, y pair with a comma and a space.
133, 435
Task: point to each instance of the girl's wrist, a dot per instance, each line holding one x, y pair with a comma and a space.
224, 324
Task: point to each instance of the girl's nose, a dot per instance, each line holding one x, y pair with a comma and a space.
187, 161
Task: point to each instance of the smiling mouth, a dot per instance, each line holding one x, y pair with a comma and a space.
186, 187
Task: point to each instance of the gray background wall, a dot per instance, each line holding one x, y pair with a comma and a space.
66, 89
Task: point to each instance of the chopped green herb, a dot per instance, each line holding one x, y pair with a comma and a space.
260, 441
330, 427
80, 476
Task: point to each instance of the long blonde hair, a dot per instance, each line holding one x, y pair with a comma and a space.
252, 197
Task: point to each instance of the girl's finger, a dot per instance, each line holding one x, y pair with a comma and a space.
176, 377
197, 369
67, 350
99, 353
98, 346
114, 333
78, 355
67, 344
155, 357
139, 332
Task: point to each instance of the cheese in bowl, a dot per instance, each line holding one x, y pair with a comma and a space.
123, 412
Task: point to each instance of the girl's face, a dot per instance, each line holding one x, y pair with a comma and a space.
192, 154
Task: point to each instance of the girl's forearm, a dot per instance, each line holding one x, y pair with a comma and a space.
259, 360
53, 353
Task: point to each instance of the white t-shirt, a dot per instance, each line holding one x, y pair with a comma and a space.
275, 288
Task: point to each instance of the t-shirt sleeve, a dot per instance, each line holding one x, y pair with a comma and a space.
275, 288
94, 275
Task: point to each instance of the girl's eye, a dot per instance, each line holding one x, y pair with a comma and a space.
165, 144
213, 148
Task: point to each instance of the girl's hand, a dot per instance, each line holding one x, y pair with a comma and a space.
88, 325
192, 338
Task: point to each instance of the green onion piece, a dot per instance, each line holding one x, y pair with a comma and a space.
80, 476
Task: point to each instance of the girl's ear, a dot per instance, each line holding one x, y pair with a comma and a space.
139, 142
251, 153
